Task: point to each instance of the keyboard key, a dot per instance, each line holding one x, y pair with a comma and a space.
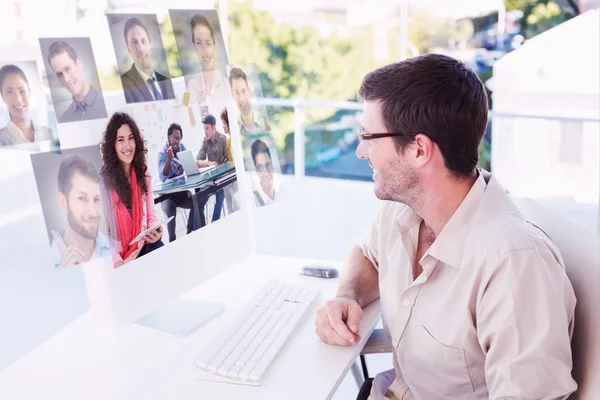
248, 346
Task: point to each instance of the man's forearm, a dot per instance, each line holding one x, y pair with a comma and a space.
202, 163
360, 279
166, 168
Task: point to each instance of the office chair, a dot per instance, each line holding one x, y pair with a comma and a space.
581, 254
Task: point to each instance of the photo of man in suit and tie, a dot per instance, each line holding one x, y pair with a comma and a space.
141, 80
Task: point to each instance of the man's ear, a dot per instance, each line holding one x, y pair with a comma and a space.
422, 149
62, 199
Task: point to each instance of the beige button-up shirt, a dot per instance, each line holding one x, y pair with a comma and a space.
490, 316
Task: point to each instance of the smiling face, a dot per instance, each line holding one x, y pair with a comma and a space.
125, 144
204, 45
83, 206
139, 47
394, 178
241, 95
69, 72
175, 140
264, 170
16, 95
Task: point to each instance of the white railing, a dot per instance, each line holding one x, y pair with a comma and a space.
300, 104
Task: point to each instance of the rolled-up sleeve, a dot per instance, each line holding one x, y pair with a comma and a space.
524, 325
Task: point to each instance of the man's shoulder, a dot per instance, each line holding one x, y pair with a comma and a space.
161, 77
55, 253
499, 233
68, 114
130, 76
162, 153
102, 240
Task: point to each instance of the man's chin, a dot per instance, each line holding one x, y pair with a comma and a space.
91, 234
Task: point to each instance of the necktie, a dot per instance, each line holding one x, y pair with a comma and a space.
155, 91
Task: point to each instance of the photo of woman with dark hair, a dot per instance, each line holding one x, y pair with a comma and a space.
127, 187
16, 94
210, 84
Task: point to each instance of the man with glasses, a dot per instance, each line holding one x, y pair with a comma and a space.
473, 295
169, 167
261, 156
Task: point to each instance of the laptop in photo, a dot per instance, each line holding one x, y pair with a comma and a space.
188, 162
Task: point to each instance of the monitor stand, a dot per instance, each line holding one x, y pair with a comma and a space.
181, 316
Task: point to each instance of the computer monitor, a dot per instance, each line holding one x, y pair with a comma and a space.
147, 290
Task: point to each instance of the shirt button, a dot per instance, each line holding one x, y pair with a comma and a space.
406, 302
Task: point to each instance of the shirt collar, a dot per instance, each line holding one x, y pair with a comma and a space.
449, 244
145, 76
266, 199
16, 132
255, 124
102, 244
88, 100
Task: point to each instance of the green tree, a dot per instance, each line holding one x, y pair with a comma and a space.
110, 80
297, 62
541, 15
168, 39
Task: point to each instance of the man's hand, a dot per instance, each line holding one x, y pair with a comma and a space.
337, 322
212, 163
69, 255
169, 154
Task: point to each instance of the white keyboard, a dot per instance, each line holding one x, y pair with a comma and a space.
243, 352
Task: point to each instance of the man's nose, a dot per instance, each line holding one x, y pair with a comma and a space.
361, 150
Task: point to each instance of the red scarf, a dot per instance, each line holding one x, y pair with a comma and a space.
128, 226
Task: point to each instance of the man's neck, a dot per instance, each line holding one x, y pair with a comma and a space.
72, 238
441, 200
81, 95
147, 71
248, 119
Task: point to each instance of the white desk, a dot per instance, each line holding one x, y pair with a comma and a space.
85, 361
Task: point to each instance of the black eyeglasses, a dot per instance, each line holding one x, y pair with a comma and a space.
362, 135
264, 167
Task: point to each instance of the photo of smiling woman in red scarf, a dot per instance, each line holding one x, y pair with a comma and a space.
127, 186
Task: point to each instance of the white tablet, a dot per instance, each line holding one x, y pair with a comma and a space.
147, 231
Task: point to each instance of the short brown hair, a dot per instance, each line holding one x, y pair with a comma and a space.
72, 165
132, 22
437, 96
237, 73
59, 47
